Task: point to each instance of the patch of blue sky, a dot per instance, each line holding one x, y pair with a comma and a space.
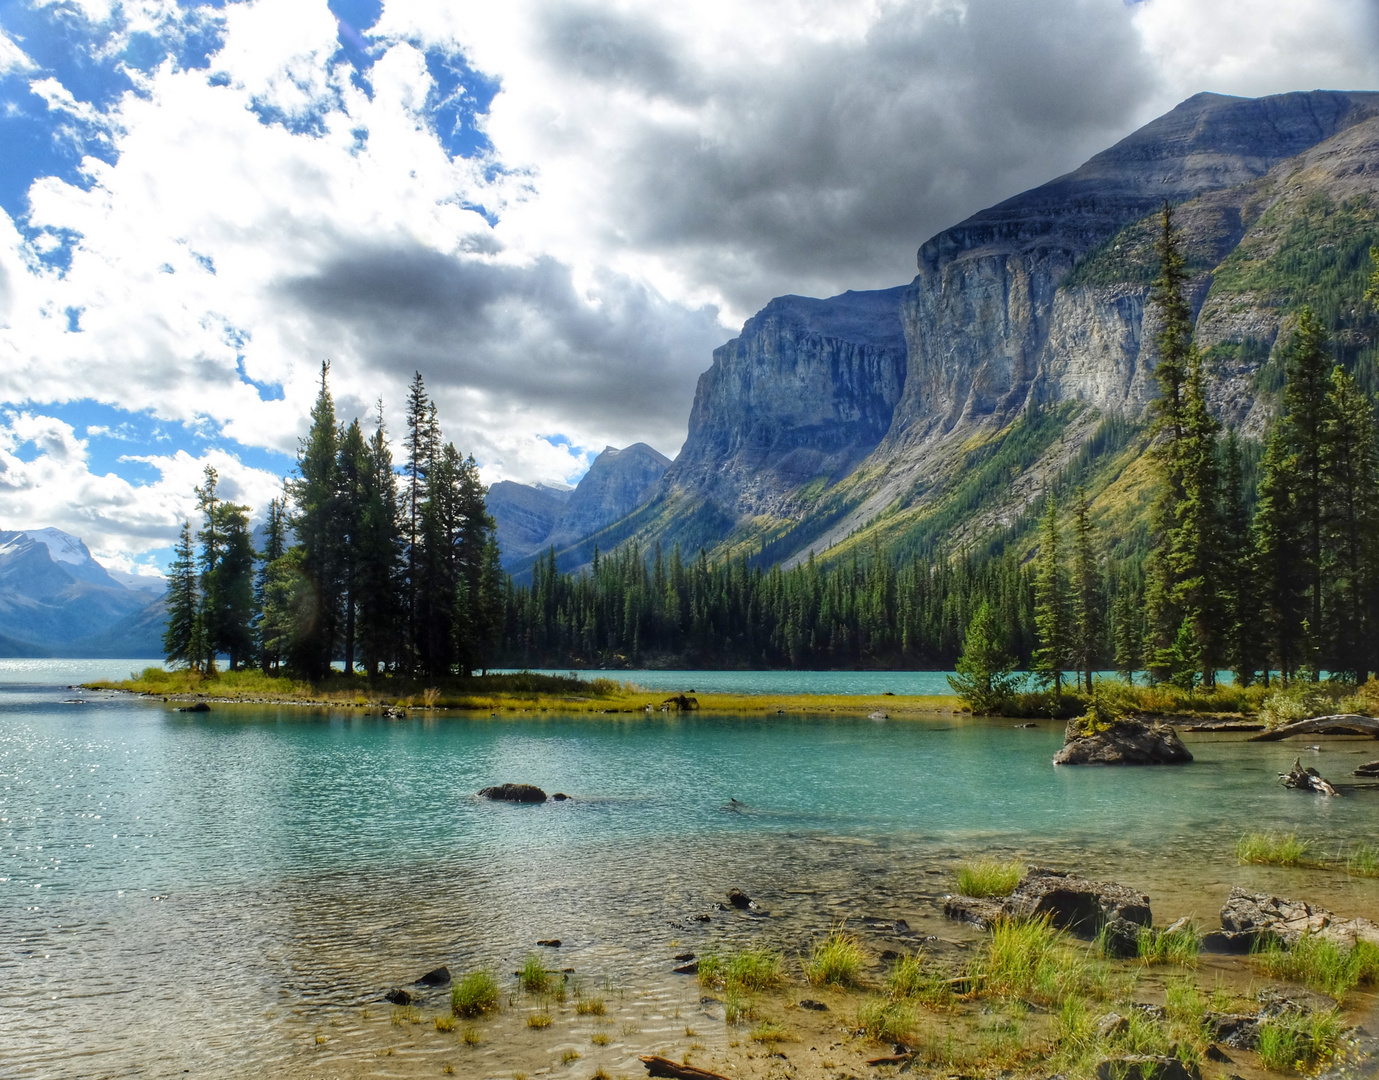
113, 436
91, 59
580, 453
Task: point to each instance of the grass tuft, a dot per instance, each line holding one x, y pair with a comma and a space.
568, 1055
445, 1023
836, 961
1181, 947
534, 976
768, 1031
600, 1038
749, 970
406, 1014
886, 1021
539, 1020
1032, 961
1320, 964
591, 1007
476, 993
471, 1036
1273, 849
1299, 1042
910, 980
988, 877
1363, 860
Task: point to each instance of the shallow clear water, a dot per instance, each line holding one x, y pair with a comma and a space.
168, 881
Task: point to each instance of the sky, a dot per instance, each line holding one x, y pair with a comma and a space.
553, 210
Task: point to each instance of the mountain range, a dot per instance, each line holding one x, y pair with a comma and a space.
56, 600
933, 416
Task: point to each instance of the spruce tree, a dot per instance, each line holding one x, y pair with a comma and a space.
1349, 522
1242, 637
985, 677
378, 556
1274, 532
1304, 401
1168, 296
1086, 592
353, 478
274, 547
1194, 552
1050, 610
315, 494
183, 603
1129, 634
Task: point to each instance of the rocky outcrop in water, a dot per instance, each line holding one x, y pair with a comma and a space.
523, 793
1248, 919
1127, 742
1070, 902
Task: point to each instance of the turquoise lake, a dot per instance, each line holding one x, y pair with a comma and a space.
185, 891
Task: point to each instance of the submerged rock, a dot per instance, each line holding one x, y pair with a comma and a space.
527, 793
980, 911
435, 977
398, 996
200, 706
740, 900
550, 942
1369, 769
692, 968
812, 1005
1239, 1031
1121, 939
1127, 742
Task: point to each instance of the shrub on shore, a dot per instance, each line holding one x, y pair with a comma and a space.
534, 977
988, 877
1363, 860
835, 961
476, 993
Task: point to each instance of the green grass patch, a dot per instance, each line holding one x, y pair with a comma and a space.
474, 994
1320, 964
989, 877
1274, 849
768, 1031
590, 1007
911, 979
835, 961
1180, 947
1363, 860
886, 1021
749, 970
534, 977
1299, 1042
1031, 961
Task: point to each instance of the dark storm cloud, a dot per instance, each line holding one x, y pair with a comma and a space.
827, 170
621, 49
523, 336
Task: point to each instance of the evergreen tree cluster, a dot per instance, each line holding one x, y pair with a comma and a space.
859, 613
353, 567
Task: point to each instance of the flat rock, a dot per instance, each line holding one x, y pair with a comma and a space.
1075, 903
1146, 1067
524, 793
1256, 917
1239, 1031
1128, 742
981, 912
692, 968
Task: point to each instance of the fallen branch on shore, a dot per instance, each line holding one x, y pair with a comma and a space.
1340, 724
1306, 780
659, 1066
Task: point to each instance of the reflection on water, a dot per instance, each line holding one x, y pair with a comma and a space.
201, 891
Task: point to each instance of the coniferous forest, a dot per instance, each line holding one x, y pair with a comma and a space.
394, 568
390, 569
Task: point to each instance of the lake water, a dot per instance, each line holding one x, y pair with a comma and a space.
214, 892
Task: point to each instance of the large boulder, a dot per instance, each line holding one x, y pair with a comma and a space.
1126, 742
1068, 901
514, 793
1248, 918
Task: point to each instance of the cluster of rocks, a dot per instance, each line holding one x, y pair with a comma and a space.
1248, 919
520, 793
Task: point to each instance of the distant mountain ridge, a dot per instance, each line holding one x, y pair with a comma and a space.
57, 600
532, 518
932, 416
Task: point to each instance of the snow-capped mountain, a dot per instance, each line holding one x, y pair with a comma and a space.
54, 596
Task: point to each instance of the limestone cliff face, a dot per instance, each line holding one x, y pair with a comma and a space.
617, 483
804, 393
847, 420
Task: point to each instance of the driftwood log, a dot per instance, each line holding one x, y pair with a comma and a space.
659, 1066
1340, 724
1306, 779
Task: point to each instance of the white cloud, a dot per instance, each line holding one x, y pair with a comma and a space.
12, 57
45, 480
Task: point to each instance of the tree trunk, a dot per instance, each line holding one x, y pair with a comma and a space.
1340, 724
664, 1067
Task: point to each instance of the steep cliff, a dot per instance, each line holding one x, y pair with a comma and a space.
930, 417
524, 515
